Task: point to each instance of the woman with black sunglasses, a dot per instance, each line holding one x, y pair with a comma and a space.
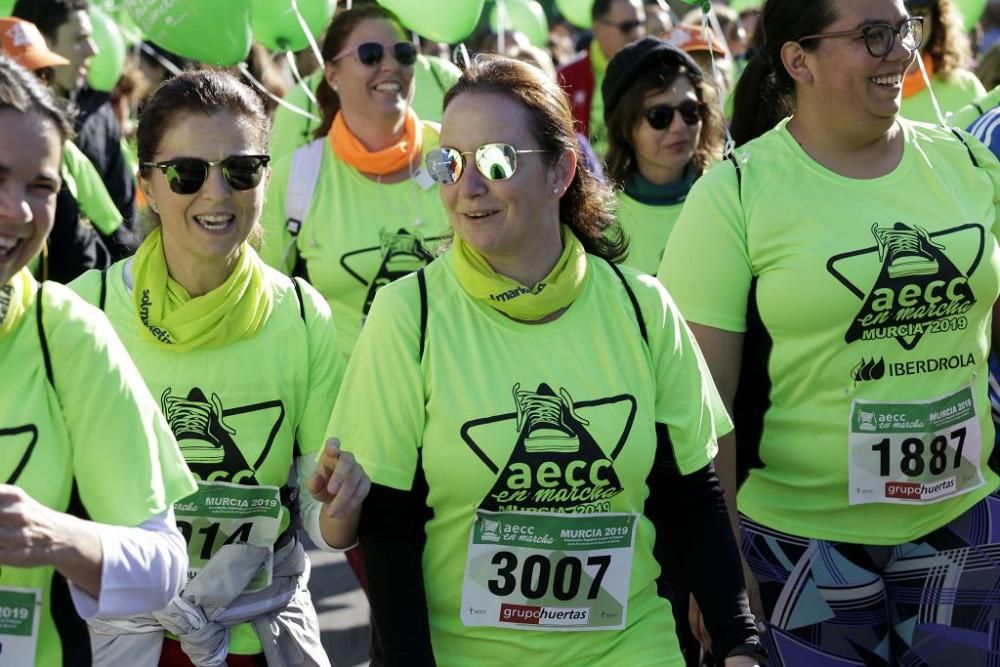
245, 363
354, 210
840, 272
664, 131
536, 419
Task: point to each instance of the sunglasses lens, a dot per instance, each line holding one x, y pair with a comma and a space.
690, 112
497, 162
370, 53
444, 165
186, 177
243, 172
405, 53
660, 117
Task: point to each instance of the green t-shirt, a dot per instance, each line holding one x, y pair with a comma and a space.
502, 416
358, 234
961, 89
99, 428
648, 227
874, 299
970, 113
240, 427
432, 77
88, 189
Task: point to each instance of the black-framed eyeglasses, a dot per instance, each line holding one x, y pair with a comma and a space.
661, 116
187, 175
371, 53
625, 27
496, 162
879, 38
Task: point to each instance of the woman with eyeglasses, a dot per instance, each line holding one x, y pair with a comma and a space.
839, 273
946, 54
88, 468
245, 363
355, 209
664, 131
520, 494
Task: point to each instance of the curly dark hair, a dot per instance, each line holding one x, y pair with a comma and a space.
949, 45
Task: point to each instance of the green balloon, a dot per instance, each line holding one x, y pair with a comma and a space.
211, 31
740, 5
7, 7
526, 16
971, 10
438, 20
130, 31
106, 67
576, 12
275, 25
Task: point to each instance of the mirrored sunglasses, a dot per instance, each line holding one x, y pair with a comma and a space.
496, 162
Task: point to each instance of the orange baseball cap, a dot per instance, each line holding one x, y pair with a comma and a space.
690, 38
21, 41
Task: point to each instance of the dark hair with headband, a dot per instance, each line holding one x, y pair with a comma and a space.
766, 92
343, 24
585, 207
22, 91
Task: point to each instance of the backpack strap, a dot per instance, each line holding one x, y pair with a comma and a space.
635, 302
42, 338
422, 284
739, 176
102, 299
298, 296
301, 185
968, 148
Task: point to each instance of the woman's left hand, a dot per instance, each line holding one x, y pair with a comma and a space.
339, 481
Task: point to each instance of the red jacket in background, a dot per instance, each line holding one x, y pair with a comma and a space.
577, 79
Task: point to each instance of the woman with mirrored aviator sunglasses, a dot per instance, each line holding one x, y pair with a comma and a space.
664, 131
245, 363
813, 268
518, 397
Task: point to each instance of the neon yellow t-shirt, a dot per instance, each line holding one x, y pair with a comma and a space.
648, 227
505, 417
432, 77
99, 427
872, 293
239, 410
970, 113
88, 189
961, 89
358, 235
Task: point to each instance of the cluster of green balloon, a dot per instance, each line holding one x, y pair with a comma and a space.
524, 16
106, 66
576, 12
275, 25
211, 31
438, 20
6, 7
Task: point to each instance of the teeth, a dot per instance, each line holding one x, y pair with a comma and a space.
214, 222
6, 243
888, 80
481, 214
389, 87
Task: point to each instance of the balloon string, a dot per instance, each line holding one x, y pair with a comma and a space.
166, 64
308, 33
259, 86
461, 53
501, 27
298, 78
927, 82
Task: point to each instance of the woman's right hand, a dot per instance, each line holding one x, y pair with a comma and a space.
339, 481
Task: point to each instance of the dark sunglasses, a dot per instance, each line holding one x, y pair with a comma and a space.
186, 175
371, 53
662, 115
625, 27
497, 162
881, 37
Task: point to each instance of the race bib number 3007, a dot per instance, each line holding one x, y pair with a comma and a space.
548, 571
916, 452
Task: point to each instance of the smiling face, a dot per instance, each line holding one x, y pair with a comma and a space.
385, 88
30, 155
662, 155
510, 220
210, 225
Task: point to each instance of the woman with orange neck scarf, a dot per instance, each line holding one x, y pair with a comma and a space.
355, 209
945, 53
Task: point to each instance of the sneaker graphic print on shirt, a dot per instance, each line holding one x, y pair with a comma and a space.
400, 253
218, 444
922, 286
553, 461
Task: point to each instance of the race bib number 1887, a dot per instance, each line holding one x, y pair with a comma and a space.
548, 571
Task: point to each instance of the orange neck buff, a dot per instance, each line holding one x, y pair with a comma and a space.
348, 148
914, 82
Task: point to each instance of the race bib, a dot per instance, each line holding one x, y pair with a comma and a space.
220, 513
548, 571
914, 453
20, 609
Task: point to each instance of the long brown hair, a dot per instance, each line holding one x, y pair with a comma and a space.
586, 206
949, 46
343, 24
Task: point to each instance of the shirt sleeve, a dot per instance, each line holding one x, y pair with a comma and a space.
706, 266
990, 165
379, 415
277, 248
115, 427
91, 194
326, 371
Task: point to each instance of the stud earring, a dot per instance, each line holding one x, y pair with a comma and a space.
156, 209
